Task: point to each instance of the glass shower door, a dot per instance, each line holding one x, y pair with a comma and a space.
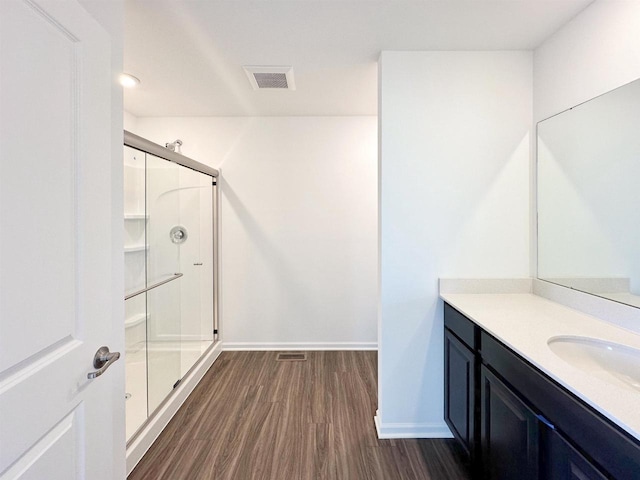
196, 261
135, 322
169, 277
164, 310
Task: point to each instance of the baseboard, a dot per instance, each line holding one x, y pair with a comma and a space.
143, 441
250, 346
411, 430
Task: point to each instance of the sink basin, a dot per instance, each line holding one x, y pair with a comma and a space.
611, 362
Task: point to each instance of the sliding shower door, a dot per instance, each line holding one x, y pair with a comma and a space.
164, 304
196, 259
135, 306
169, 258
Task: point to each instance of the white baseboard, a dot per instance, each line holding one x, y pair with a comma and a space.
411, 430
250, 346
166, 411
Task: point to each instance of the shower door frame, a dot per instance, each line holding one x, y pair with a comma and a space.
148, 147
139, 143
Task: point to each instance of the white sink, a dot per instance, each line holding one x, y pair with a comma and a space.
612, 362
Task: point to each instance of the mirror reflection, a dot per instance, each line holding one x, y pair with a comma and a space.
589, 196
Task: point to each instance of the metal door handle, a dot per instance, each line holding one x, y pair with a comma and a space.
103, 360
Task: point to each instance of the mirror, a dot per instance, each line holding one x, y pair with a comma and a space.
589, 196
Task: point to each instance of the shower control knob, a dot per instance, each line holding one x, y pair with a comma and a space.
178, 234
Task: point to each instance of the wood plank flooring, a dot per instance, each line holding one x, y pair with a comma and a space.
252, 417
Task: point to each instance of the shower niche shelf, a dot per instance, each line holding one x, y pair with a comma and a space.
135, 216
135, 320
136, 248
134, 168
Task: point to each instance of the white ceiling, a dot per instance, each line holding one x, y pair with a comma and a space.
189, 54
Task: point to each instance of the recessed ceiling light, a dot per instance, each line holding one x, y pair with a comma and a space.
129, 81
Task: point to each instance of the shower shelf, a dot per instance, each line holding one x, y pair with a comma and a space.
135, 320
135, 216
134, 167
136, 248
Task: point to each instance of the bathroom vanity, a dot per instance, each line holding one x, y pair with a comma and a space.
535, 389
522, 399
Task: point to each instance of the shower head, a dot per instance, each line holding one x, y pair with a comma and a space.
174, 146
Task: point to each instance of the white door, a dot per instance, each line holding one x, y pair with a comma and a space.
56, 298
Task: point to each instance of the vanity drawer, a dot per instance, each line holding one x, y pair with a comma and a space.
613, 449
464, 328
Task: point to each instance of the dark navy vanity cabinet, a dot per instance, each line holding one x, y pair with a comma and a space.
510, 431
515, 423
461, 395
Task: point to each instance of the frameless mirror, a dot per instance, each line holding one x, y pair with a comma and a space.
589, 196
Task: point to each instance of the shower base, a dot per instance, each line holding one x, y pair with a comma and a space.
140, 442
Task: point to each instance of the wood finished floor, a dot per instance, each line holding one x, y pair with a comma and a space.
252, 417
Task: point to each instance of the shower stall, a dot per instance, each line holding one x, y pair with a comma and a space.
170, 223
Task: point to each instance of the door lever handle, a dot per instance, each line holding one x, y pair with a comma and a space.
103, 360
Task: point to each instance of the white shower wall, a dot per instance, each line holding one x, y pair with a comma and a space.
194, 198
178, 196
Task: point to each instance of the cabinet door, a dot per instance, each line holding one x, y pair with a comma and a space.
561, 461
606, 444
459, 388
509, 432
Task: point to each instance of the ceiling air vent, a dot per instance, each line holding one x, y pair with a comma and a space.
280, 77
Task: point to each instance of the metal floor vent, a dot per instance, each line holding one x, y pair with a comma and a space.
270, 77
292, 357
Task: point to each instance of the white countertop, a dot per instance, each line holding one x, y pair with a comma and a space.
524, 322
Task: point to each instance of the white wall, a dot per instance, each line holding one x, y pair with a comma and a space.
298, 225
597, 51
454, 202
130, 122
